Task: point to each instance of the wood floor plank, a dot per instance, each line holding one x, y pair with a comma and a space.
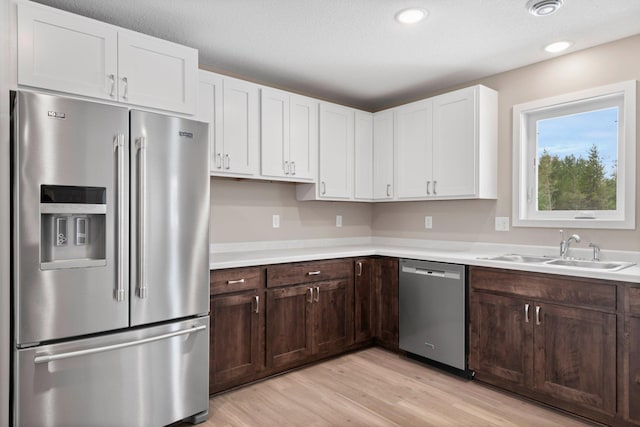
375, 387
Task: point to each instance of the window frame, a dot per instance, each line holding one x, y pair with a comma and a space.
524, 201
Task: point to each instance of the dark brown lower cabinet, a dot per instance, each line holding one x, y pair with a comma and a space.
526, 337
633, 357
289, 322
309, 321
236, 340
364, 297
386, 295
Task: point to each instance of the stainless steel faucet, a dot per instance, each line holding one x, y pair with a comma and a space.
566, 244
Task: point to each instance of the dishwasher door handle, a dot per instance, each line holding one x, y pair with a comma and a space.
431, 272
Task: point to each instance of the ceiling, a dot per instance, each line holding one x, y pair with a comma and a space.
353, 51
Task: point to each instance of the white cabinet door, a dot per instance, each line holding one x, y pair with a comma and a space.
383, 157
240, 129
274, 124
66, 52
454, 144
363, 160
156, 73
303, 140
210, 111
414, 142
336, 151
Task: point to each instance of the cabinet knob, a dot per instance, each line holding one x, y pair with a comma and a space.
324, 187
538, 315
317, 298
257, 301
219, 161
526, 313
293, 168
388, 190
286, 167
227, 161
359, 269
434, 187
428, 191
310, 290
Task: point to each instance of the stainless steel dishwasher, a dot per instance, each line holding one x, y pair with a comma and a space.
432, 311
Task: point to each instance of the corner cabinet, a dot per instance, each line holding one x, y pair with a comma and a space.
363, 156
289, 136
446, 146
69, 53
548, 337
383, 156
232, 107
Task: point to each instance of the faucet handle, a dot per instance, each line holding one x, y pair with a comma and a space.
562, 234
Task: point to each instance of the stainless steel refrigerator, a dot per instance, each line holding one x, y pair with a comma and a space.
110, 270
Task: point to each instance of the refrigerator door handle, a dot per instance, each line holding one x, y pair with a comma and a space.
141, 144
46, 358
118, 146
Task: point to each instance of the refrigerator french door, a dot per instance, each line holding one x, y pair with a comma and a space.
110, 272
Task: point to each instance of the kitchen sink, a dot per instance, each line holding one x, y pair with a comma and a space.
521, 258
562, 262
596, 265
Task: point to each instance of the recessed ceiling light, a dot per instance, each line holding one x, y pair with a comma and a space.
543, 7
557, 46
411, 16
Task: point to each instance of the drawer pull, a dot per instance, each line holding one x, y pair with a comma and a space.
526, 313
235, 282
313, 273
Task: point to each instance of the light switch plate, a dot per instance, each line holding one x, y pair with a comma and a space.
428, 222
276, 221
338, 220
502, 223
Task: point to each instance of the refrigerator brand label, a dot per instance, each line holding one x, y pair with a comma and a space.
56, 114
187, 134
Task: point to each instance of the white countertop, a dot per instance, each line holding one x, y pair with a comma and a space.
470, 253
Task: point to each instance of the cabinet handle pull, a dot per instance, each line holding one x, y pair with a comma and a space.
257, 299
359, 269
125, 95
286, 167
324, 187
313, 273
293, 168
317, 298
388, 190
112, 92
526, 313
227, 161
434, 187
310, 300
538, 315
233, 282
219, 161
428, 184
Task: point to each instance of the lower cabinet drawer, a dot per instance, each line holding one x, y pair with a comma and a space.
304, 272
235, 280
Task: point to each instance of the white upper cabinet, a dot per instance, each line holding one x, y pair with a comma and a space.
335, 148
156, 73
383, 156
289, 137
414, 146
363, 159
446, 146
232, 109
64, 52
336, 151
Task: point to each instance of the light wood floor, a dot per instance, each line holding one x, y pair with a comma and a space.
375, 387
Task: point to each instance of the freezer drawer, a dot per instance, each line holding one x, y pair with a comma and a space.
146, 377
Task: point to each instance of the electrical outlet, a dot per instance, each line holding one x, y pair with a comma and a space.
428, 222
276, 221
338, 220
502, 223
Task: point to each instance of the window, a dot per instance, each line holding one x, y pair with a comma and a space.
574, 159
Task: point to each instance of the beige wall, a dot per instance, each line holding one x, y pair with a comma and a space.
241, 210
474, 220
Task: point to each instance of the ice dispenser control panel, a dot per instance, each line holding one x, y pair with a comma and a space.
73, 227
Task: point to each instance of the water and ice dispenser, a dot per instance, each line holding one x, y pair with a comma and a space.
73, 226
